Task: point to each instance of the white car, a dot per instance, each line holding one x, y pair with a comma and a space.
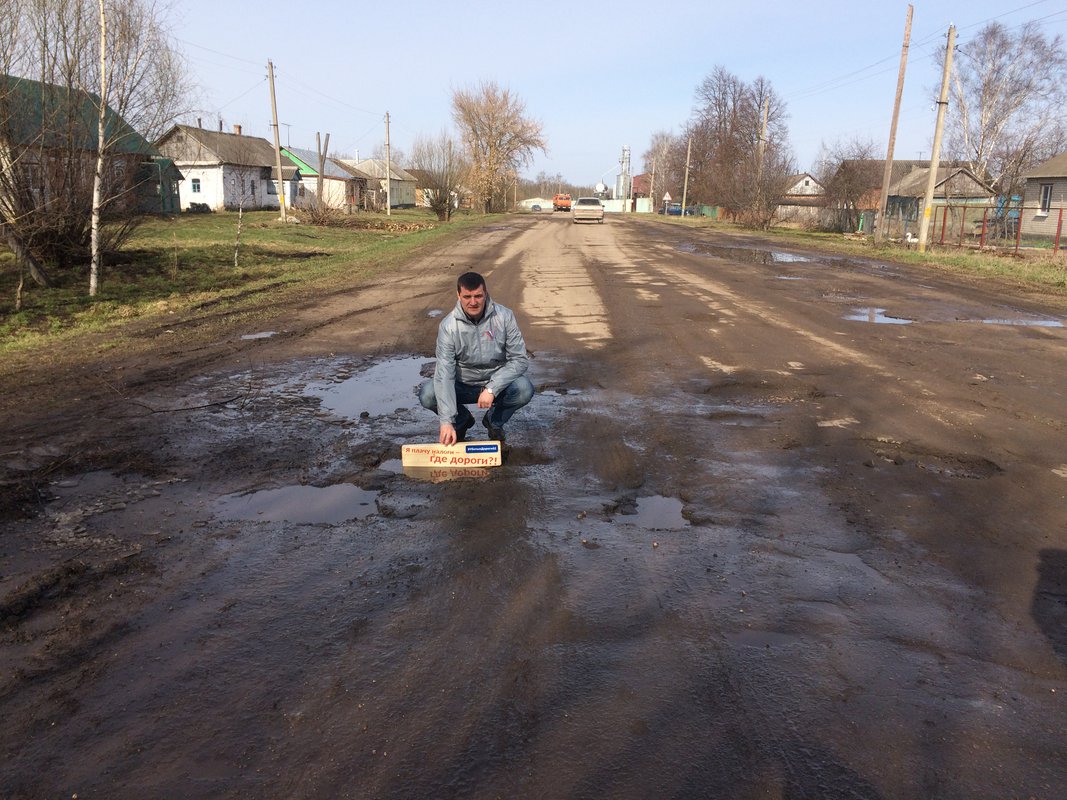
587, 208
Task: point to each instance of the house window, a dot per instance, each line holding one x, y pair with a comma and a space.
807, 182
196, 186
253, 189
1046, 197
272, 187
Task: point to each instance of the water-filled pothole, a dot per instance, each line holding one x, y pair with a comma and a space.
876, 316
657, 513
300, 504
379, 389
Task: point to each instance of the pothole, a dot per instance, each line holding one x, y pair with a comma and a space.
302, 505
377, 390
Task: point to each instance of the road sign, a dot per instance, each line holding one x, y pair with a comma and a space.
666, 197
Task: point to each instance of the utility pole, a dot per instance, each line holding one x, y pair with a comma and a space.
277, 141
652, 187
935, 156
685, 183
322, 165
388, 172
881, 223
761, 152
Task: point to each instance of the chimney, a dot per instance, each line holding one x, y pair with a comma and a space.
237, 129
220, 124
200, 122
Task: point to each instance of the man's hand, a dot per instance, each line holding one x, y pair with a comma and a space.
448, 434
485, 399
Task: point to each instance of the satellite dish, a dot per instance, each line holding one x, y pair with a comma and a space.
600, 188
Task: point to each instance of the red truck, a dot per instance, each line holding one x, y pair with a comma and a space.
561, 202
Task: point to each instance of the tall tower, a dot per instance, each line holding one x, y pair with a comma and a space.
622, 183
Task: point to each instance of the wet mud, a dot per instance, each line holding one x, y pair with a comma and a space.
740, 546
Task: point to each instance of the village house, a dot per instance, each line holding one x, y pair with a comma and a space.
48, 148
401, 184
340, 187
228, 170
960, 198
802, 202
1044, 197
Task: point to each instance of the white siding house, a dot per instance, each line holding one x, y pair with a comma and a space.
227, 170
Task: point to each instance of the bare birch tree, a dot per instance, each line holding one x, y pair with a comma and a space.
50, 112
500, 139
1008, 93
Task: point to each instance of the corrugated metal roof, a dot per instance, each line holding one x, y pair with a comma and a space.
36, 113
375, 168
311, 159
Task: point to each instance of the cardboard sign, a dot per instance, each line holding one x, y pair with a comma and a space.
459, 455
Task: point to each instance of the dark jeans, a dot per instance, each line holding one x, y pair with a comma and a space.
519, 392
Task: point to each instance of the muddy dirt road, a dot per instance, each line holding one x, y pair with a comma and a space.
777, 525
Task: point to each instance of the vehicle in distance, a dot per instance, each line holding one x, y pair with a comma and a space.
535, 207
561, 202
588, 208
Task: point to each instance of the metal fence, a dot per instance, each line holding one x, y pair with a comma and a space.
1012, 228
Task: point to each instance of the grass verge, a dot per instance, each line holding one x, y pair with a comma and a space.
174, 266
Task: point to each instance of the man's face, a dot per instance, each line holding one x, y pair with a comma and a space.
473, 301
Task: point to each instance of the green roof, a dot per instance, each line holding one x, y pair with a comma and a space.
42, 114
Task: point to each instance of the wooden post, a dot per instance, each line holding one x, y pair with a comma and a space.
887, 173
939, 127
985, 221
944, 224
1059, 229
277, 141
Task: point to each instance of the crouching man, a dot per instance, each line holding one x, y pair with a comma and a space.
481, 360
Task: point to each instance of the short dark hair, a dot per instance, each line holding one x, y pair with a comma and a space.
470, 281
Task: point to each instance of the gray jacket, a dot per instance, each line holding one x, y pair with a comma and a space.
491, 353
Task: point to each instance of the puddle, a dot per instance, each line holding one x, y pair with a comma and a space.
659, 513
263, 335
1037, 323
877, 316
392, 465
380, 389
788, 258
787, 278
435, 313
300, 504
753, 255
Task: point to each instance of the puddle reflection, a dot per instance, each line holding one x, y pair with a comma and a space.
441, 474
877, 316
300, 504
376, 390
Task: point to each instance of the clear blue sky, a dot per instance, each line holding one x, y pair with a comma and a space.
597, 75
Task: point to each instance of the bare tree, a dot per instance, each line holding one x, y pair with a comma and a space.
50, 113
740, 155
442, 163
849, 170
665, 174
1008, 92
499, 137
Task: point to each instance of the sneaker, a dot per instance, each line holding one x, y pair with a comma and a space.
494, 432
461, 430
